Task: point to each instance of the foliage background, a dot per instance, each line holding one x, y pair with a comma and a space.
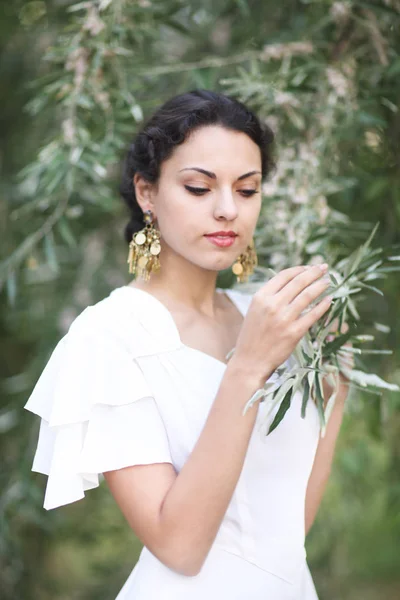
77, 80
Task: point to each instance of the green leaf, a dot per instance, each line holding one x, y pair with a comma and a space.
334, 279
377, 188
352, 309
177, 26
382, 327
380, 8
244, 8
320, 399
361, 252
306, 396
11, 286
394, 68
389, 269
285, 404
334, 345
365, 118
330, 403
363, 351
76, 7
66, 233
307, 358
374, 266
335, 310
50, 252
279, 393
372, 288
366, 379
137, 113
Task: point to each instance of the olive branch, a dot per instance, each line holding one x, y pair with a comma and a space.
323, 353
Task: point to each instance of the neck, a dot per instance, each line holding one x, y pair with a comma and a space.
184, 284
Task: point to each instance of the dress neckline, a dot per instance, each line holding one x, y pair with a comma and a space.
229, 293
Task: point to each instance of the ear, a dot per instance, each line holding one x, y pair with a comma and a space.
144, 191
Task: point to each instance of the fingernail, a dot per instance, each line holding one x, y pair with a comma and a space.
323, 267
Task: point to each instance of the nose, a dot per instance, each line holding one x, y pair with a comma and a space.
225, 206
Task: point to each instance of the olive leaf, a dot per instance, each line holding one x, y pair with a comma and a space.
315, 358
285, 404
306, 394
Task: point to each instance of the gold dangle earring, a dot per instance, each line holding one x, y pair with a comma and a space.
245, 263
144, 249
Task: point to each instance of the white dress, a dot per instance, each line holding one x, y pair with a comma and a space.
120, 389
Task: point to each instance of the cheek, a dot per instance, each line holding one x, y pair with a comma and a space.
179, 214
249, 212
178, 224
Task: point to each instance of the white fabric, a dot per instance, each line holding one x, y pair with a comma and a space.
120, 389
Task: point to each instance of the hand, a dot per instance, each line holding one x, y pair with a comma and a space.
277, 318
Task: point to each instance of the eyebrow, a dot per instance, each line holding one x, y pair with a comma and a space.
213, 175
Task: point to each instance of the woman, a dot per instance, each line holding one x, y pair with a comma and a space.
140, 388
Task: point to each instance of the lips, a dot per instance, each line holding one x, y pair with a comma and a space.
222, 241
222, 234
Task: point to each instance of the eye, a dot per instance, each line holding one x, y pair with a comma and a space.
196, 190
248, 192
200, 191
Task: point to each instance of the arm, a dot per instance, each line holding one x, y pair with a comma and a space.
326, 446
324, 455
182, 513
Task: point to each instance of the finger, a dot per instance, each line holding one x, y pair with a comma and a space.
306, 297
281, 279
304, 284
306, 321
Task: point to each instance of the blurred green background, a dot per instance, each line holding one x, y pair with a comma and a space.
77, 81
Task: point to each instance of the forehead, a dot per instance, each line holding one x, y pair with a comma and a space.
217, 149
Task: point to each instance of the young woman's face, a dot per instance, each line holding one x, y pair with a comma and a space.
211, 183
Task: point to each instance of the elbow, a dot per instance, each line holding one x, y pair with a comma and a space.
181, 551
182, 558
186, 563
188, 569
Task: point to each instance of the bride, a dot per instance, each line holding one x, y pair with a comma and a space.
144, 391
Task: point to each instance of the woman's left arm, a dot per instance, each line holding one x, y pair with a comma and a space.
323, 460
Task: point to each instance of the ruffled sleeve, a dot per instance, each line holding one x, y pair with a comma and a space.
97, 413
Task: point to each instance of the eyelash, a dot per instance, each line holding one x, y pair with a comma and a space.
201, 191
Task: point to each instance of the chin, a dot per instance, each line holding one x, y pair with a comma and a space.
222, 265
